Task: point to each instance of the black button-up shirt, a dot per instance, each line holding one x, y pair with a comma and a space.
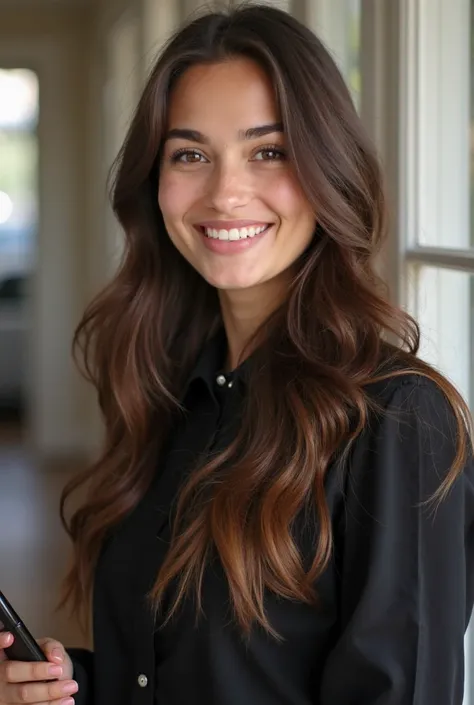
394, 601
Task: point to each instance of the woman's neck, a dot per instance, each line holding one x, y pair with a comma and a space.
243, 312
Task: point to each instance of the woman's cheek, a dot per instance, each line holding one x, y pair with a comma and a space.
169, 195
178, 193
284, 194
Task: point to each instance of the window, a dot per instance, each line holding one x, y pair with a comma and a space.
19, 107
436, 183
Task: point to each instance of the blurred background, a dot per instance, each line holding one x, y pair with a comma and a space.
70, 74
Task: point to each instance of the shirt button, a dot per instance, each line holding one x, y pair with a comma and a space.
221, 380
142, 680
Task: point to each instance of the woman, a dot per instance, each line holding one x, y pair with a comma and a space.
283, 510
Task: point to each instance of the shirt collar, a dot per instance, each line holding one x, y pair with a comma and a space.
210, 363
210, 360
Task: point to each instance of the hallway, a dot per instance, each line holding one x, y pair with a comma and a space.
34, 548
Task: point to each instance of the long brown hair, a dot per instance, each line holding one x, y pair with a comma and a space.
141, 336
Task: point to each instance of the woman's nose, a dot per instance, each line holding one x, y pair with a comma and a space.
230, 187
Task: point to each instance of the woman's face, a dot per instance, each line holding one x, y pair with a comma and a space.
229, 197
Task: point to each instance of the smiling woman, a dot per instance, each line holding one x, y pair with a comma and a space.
226, 186
259, 527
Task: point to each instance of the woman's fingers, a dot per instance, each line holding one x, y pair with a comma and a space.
23, 671
68, 701
22, 682
57, 655
6, 639
39, 682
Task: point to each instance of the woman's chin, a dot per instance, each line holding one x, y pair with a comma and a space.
232, 280
230, 284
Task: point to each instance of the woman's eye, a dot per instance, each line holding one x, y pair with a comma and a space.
187, 156
270, 154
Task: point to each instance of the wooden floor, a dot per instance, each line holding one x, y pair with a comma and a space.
34, 549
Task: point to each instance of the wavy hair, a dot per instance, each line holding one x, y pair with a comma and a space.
335, 332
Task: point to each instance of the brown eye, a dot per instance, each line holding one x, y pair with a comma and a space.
269, 154
187, 156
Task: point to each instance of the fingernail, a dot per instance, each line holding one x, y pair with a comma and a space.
57, 655
68, 701
55, 671
69, 688
8, 638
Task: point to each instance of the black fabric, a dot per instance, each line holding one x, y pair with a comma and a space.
395, 599
83, 661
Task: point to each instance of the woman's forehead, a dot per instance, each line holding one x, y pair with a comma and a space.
236, 91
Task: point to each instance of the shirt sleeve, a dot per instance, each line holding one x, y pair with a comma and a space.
406, 570
83, 662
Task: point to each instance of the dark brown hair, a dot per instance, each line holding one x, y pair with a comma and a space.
141, 336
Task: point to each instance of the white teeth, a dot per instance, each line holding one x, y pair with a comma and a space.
234, 233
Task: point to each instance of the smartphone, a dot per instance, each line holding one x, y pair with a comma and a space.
24, 648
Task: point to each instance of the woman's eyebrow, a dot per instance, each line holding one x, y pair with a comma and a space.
250, 134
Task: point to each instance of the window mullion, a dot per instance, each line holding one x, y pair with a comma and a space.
462, 260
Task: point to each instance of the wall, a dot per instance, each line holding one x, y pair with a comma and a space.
52, 42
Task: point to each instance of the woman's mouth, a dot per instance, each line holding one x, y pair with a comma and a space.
232, 240
234, 233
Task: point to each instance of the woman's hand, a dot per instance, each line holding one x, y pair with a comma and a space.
22, 682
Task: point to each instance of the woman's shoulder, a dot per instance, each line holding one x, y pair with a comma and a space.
398, 383
414, 408
408, 444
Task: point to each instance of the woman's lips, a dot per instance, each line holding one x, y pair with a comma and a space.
229, 224
230, 243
